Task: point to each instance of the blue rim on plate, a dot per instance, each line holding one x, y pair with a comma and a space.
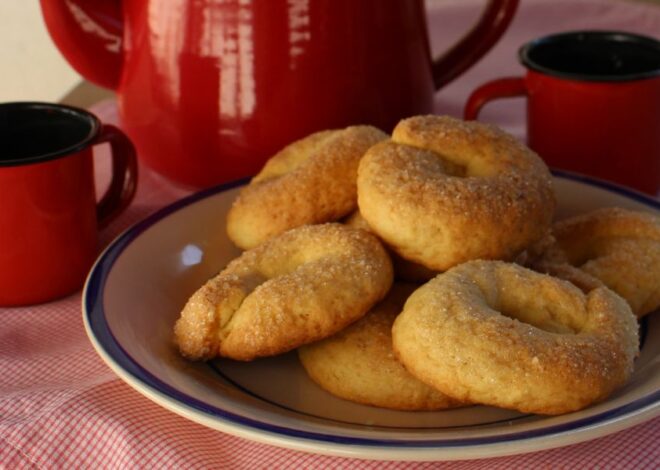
95, 318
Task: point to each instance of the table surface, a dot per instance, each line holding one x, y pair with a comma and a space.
61, 406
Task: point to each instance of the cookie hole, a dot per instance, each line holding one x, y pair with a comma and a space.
452, 168
544, 319
580, 252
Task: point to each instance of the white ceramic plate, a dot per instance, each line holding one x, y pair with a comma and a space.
138, 286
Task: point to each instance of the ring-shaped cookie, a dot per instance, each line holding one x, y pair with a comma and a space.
301, 286
358, 363
499, 334
616, 246
311, 181
443, 191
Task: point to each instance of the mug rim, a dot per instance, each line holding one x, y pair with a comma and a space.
524, 55
91, 119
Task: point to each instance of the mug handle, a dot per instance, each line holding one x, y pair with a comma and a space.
494, 20
500, 88
123, 184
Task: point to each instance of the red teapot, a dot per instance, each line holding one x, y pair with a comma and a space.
208, 90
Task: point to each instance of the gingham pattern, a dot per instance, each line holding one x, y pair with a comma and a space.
61, 407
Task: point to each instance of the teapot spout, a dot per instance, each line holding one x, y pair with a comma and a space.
89, 36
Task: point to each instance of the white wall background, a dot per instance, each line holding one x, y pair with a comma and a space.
32, 68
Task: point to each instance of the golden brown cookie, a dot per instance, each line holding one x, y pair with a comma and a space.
311, 181
358, 363
443, 191
617, 247
499, 334
301, 286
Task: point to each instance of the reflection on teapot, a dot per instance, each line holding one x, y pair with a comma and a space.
209, 89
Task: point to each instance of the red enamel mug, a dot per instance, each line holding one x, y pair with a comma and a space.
49, 217
208, 90
593, 104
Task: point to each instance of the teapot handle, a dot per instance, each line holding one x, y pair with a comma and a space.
89, 34
494, 20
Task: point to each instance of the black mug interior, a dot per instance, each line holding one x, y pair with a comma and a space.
594, 55
36, 132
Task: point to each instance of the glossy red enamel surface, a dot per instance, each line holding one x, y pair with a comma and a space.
606, 129
48, 233
50, 217
593, 104
208, 90
89, 35
240, 82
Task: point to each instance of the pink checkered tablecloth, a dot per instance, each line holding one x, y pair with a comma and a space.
62, 407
